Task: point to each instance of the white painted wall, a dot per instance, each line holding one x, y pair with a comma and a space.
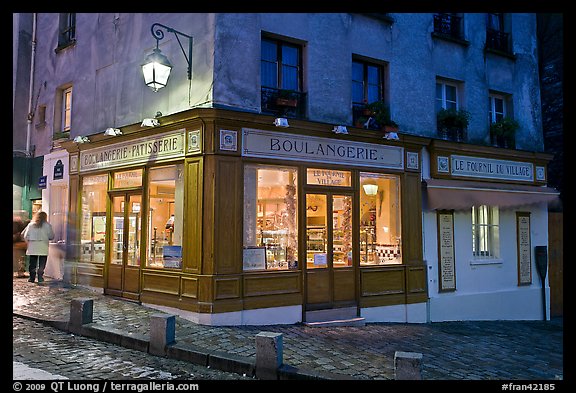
488, 289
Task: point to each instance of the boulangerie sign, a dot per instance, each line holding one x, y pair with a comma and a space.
139, 150
269, 144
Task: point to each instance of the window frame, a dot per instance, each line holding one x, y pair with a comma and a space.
366, 83
485, 232
493, 114
66, 112
280, 82
66, 30
443, 100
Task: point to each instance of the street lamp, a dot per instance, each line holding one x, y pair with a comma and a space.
157, 67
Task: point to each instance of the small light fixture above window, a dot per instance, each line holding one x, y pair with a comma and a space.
281, 122
340, 130
150, 122
112, 131
81, 139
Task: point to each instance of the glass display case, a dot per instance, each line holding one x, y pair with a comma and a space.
276, 248
316, 246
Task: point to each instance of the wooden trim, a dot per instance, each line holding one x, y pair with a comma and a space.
383, 281
159, 282
227, 288
411, 196
272, 283
228, 215
192, 220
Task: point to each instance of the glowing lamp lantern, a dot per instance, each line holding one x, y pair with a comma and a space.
370, 189
156, 70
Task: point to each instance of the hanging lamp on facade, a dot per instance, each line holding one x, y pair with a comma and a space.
156, 67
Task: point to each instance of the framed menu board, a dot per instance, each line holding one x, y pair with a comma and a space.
524, 248
446, 259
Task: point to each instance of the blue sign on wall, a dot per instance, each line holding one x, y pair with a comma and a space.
42, 182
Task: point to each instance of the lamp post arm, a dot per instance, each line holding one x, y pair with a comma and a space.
159, 35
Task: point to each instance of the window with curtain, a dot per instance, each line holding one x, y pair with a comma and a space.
497, 108
366, 83
281, 64
446, 95
485, 232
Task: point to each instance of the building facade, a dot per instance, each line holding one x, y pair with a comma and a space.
259, 185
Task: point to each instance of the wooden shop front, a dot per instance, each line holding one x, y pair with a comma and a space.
224, 216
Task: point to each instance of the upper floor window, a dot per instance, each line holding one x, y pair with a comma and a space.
497, 36
502, 125
66, 109
446, 95
451, 119
497, 108
281, 78
281, 65
485, 231
367, 87
448, 25
67, 29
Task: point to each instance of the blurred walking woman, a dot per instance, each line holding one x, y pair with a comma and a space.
37, 235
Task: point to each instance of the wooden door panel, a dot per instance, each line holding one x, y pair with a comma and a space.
344, 288
115, 277
318, 286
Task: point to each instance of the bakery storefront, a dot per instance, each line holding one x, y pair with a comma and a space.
238, 222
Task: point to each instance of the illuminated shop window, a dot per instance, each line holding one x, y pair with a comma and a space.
93, 220
166, 210
270, 218
380, 226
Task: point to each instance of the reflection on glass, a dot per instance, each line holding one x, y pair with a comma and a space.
117, 246
132, 178
134, 219
166, 210
328, 177
93, 219
270, 219
342, 231
316, 235
380, 226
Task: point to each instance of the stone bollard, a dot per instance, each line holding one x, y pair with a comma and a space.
162, 333
407, 365
81, 312
268, 355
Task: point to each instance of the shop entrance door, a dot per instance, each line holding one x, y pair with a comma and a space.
330, 275
123, 262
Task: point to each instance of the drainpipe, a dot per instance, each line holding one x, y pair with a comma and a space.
31, 90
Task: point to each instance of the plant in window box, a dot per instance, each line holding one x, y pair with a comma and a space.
287, 98
503, 131
380, 112
361, 122
452, 124
61, 135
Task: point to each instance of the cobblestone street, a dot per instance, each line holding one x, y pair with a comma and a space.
77, 357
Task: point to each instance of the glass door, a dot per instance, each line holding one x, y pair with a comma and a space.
123, 273
330, 276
